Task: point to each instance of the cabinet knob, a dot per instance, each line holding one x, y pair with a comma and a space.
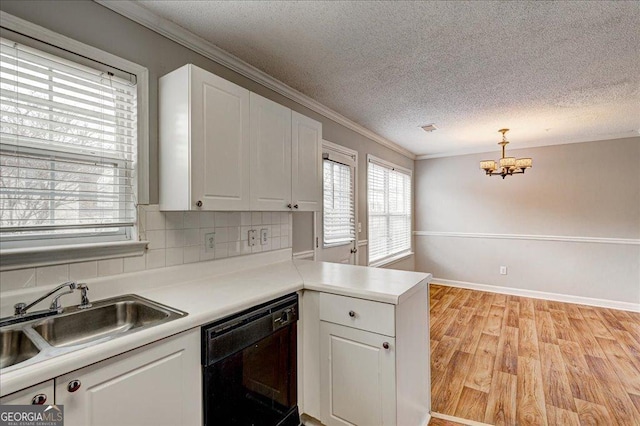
199, 203
74, 385
385, 345
289, 205
39, 399
295, 206
352, 314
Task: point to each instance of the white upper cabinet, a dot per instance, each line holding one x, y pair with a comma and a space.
225, 148
306, 164
204, 142
270, 155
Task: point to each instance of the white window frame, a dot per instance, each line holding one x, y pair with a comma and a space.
40, 253
394, 257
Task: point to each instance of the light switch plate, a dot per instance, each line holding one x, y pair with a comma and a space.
263, 236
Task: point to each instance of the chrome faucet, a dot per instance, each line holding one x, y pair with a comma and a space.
22, 308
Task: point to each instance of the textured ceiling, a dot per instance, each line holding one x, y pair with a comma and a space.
553, 72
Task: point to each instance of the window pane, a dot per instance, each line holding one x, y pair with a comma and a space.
389, 203
338, 203
68, 150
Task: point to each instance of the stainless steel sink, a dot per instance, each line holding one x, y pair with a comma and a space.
32, 341
15, 347
108, 318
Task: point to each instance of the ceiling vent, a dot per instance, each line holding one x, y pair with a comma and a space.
429, 127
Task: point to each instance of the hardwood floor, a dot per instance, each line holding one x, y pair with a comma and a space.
509, 360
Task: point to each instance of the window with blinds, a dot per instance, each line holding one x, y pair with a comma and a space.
389, 205
67, 149
338, 204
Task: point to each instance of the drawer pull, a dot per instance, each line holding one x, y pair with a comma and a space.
385, 345
73, 385
199, 203
352, 314
39, 399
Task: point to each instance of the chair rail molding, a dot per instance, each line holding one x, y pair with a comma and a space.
563, 238
135, 12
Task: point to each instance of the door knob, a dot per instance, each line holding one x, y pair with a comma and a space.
39, 399
354, 250
74, 385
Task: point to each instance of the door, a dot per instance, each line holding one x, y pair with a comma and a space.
306, 163
34, 395
357, 377
219, 142
159, 384
270, 155
336, 227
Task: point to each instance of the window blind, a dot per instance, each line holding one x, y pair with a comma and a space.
67, 147
389, 205
338, 204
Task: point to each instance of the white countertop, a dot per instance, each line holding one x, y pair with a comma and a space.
210, 291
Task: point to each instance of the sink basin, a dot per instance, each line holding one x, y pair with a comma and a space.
15, 347
106, 318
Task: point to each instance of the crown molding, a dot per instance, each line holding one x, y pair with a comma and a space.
486, 149
131, 10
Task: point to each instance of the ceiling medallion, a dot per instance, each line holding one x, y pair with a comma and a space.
508, 165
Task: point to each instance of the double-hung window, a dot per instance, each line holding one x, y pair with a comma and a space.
67, 151
389, 208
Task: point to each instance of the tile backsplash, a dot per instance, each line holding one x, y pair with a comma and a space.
174, 238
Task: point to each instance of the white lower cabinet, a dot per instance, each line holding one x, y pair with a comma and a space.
37, 394
357, 376
373, 360
158, 384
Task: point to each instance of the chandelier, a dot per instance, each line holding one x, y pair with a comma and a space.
508, 165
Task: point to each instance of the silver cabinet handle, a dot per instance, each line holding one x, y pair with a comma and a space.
39, 399
74, 385
385, 345
352, 314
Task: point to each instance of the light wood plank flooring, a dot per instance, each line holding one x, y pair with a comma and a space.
509, 360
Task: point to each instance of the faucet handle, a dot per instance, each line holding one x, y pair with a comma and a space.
82, 286
55, 304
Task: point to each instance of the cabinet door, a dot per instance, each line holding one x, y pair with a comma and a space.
270, 155
38, 394
158, 384
219, 143
306, 163
357, 377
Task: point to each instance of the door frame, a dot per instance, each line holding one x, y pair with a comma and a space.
317, 231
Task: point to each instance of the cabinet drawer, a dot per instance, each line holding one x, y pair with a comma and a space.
358, 313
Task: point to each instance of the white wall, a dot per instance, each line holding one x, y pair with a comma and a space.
587, 190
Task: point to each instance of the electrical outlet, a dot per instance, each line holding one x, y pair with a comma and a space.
263, 236
209, 242
503, 270
252, 237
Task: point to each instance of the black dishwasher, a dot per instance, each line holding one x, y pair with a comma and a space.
249, 363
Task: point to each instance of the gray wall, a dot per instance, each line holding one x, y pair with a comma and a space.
580, 190
93, 24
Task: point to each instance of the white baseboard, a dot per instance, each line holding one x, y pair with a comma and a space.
457, 419
309, 255
556, 297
